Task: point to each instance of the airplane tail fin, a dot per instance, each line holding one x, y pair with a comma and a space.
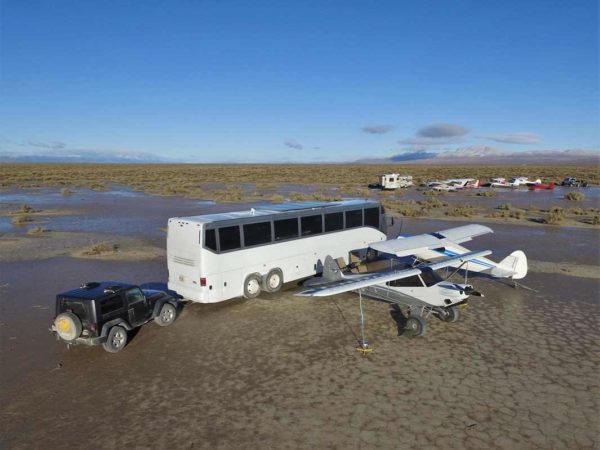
513, 266
331, 270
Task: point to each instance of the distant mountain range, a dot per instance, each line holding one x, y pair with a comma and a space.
85, 157
466, 155
490, 155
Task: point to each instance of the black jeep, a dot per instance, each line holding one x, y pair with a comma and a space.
103, 313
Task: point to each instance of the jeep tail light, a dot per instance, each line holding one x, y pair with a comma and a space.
202, 281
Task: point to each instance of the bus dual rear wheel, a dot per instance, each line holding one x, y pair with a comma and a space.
273, 280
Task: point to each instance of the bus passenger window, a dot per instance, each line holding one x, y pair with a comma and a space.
210, 239
311, 225
372, 217
229, 238
286, 229
334, 221
354, 218
257, 233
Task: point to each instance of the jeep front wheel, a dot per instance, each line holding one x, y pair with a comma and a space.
116, 339
166, 315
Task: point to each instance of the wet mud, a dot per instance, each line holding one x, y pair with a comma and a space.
518, 370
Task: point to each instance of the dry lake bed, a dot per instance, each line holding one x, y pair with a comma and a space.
520, 370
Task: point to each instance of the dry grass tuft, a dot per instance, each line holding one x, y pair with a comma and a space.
465, 210
20, 219
555, 215
575, 196
36, 230
99, 249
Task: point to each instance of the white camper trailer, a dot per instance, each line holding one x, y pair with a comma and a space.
217, 257
395, 181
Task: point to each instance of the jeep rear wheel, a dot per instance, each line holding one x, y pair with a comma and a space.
166, 315
116, 339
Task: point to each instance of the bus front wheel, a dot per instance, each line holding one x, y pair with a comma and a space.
252, 286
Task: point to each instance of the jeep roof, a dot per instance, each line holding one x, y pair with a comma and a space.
96, 290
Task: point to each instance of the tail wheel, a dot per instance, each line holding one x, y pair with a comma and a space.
273, 280
415, 326
252, 286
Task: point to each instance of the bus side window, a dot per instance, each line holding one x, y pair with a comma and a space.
311, 225
257, 233
210, 239
334, 221
229, 238
286, 229
354, 218
372, 217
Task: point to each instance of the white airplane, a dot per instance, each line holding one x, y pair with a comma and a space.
418, 286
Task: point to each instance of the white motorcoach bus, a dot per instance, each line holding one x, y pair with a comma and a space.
217, 257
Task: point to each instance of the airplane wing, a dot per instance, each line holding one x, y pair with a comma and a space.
458, 260
464, 233
407, 246
353, 282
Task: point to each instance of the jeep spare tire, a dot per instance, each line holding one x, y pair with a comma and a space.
67, 326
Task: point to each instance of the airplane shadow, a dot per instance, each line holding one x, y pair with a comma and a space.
399, 317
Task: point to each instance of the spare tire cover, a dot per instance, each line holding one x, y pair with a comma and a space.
68, 326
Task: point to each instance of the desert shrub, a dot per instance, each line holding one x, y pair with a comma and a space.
485, 194
277, 198
465, 210
555, 215
576, 211
97, 187
575, 196
20, 219
25, 208
532, 208
432, 192
504, 206
36, 230
103, 247
65, 192
595, 220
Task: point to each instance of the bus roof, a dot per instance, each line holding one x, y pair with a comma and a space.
272, 209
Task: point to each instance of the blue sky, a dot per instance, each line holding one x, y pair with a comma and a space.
297, 81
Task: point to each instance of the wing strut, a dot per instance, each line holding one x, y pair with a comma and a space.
364, 346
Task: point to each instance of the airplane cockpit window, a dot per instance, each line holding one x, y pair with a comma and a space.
413, 281
430, 278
